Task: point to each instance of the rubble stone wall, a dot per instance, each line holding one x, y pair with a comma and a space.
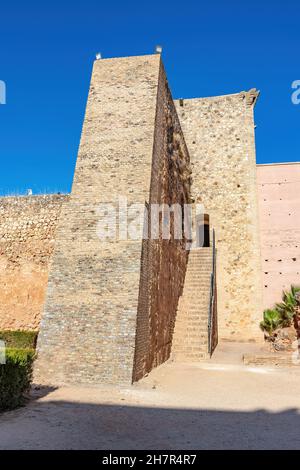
27, 236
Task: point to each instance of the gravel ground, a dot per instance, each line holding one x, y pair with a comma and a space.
178, 406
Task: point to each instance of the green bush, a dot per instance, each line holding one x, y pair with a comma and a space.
15, 377
19, 339
271, 321
283, 313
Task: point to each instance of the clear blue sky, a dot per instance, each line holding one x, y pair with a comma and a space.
210, 48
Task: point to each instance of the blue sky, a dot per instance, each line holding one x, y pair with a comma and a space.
209, 48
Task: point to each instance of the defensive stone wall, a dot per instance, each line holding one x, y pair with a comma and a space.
27, 237
111, 303
219, 132
88, 330
163, 261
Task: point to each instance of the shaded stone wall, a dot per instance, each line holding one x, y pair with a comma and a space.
27, 236
163, 261
219, 132
279, 207
89, 321
111, 304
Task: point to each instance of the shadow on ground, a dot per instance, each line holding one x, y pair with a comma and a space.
68, 425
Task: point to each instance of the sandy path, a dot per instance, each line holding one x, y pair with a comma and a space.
177, 406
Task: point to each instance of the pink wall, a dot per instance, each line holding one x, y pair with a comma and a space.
279, 211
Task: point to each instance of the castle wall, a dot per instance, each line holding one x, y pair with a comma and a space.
89, 321
219, 132
27, 236
111, 303
279, 205
163, 261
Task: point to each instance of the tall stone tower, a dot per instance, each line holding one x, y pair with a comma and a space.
111, 303
219, 132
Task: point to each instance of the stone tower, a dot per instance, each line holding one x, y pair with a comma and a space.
219, 132
111, 303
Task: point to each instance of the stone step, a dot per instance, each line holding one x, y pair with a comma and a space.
199, 269
197, 317
200, 345
199, 281
189, 357
192, 264
192, 311
197, 290
202, 277
201, 252
187, 329
271, 359
183, 326
198, 255
198, 272
199, 262
200, 286
191, 327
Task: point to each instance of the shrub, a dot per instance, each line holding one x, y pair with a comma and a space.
19, 339
283, 313
287, 307
15, 377
271, 321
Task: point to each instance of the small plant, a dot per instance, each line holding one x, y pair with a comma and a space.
19, 339
15, 377
287, 307
284, 314
271, 321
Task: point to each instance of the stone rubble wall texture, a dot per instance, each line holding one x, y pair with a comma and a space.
279, 205
27, 237
219, 133
164, 261
88, 330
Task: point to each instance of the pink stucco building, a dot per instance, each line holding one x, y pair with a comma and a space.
279, 211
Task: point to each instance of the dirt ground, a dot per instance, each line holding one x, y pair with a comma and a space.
221, 404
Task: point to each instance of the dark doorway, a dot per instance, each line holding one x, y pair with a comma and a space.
206, 242
203, 235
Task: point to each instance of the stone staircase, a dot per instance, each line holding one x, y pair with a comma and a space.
190, 338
